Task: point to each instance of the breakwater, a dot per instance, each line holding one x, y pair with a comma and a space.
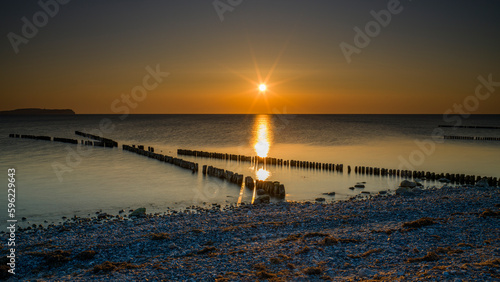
364, 170
45, 138
163, 158
230, 176
475, 138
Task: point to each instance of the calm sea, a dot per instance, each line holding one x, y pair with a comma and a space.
56, 179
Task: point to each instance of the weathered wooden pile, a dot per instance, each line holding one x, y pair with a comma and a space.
272, 188
249, 182
103, 142
46, 138
454, 178
230, 176
66, 140
475, 138
163, 158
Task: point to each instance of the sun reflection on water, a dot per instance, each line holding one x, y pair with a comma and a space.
262, 144
262, 141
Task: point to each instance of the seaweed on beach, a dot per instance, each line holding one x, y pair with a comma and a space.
259, 266
313, 270
236, 227
4, 268
430, 256
208, 249
291, 237
425, 221
315, 234
303, 250
328, 241
365, 254
279, 259
465, 245
107, 267
160, 236
448, 250
265, 274
386, 231
490, 263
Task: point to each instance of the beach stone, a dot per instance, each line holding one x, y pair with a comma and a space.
483, 183
366, 272
263, 199
140, 212
382, 192
320, 199
408, 184
329, 194
359, 186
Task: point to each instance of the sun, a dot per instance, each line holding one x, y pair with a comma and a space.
262, 87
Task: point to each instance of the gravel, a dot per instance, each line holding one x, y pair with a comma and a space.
449, 234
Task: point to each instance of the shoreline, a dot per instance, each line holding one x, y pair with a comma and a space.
377, 238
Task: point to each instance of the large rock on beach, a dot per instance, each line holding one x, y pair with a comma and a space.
263, 199
140, 212
408, 183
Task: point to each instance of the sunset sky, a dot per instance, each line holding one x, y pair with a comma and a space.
90, 53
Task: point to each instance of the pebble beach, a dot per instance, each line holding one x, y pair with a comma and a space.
438, 234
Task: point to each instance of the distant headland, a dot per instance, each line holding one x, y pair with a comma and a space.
36, 111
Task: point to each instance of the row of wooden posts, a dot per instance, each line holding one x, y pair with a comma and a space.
425, 175
268, 160
471, 126
471, 138
105, 141
163, 158
272, 188
454, 178
46, 138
